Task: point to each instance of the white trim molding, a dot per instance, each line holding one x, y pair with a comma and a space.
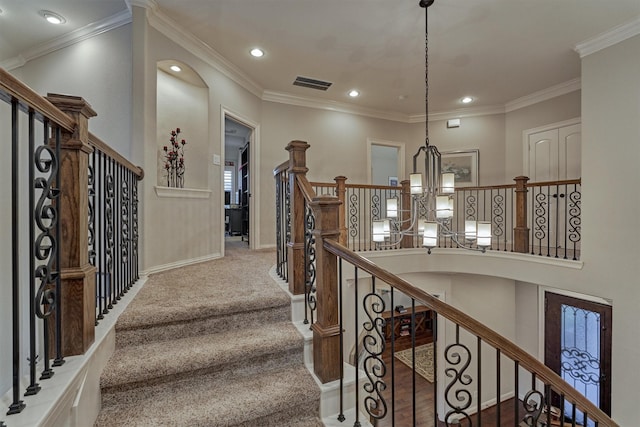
543, 95
608, 38
182, 193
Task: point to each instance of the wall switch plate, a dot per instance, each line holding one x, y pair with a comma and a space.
216, 159
453, 123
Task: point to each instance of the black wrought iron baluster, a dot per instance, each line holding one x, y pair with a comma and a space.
540, 219
310, 265
91, 243
59, 360
278, 179
413, 360
436, 377
533, 404
134, 221
479, 382
357, 350
575, 222
341, 416
516, 387
117, 236
46, 244
124, 230
498, 219
109, 232
353, 216
17, 405
498, 394
458, 356
391, 329
373, 344
376, 208
287, 202
33, 387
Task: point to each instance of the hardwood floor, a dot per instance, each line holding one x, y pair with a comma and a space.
400, 405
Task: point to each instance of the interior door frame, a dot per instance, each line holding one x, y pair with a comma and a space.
254, 178
401, 156
528, 132
542, 294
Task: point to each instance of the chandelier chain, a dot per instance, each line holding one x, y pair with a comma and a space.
426, 73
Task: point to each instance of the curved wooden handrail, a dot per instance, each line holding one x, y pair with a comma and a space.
102, 146
487, 334
16, 89
305, 187
547, 183
281, 168
323, 184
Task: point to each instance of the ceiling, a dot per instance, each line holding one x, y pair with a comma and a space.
496, 51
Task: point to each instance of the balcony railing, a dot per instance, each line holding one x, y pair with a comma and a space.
479, 376
74, 244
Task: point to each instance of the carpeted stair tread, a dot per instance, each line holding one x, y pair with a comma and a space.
285, 397
155, 360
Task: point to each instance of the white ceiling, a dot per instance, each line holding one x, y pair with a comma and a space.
494, 50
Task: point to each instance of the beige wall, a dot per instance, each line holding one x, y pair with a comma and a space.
610, 155
554, 110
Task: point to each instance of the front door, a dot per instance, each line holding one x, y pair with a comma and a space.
578, 348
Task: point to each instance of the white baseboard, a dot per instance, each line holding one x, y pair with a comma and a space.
182, 263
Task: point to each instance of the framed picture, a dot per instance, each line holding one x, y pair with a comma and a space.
393, 181
464, 164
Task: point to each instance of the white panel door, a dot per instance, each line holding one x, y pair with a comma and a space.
543, 156
569, 152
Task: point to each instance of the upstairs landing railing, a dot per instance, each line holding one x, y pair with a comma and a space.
73, 204
479, 376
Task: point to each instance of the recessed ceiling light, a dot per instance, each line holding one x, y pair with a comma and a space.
52, 17
175, 68
257, 52
466, 100
354, 93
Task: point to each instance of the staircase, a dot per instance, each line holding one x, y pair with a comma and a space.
210, 345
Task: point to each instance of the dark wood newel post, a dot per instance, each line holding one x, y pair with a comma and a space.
78, 276
341, 192
521, 230
405, 199
295, 246
326, 330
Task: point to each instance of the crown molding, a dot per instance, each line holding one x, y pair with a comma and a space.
323, 104
543, 95
609, 38
166, 26
71, 38
459, 113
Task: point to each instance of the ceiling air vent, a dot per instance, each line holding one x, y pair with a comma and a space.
311, 83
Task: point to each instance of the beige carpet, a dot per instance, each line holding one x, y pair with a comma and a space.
210, 344
424, 360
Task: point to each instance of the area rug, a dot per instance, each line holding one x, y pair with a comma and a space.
424, 360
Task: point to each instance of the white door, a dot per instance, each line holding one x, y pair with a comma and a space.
554, 154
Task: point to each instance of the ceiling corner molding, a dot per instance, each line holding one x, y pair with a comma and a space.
165, 25
609, 38
322, 104
71, 38
544, 95
13, 63
460, 113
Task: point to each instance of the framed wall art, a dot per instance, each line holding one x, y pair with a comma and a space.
464, 164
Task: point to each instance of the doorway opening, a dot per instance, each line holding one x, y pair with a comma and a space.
237, 182
577, 346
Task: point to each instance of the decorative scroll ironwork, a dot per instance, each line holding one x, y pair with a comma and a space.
124, 217
498, 215
92, 202
540, 216
458, 357
110, 238
375, 206
373, 364
353, 215
310, 264
46, 243
134, 226
533, 405
574, 212
580, 365
470, 207
279, 225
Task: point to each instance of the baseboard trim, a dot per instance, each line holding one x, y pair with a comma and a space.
182, 263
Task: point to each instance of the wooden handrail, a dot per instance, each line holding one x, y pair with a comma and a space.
281, 168
546, 183
306, 188
488, 335
16, 89
102, 146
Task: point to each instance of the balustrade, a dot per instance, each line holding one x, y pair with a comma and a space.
79, 194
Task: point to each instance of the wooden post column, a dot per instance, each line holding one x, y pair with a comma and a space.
78, 276
521, 230
327, 359
405, 198
341, 192
295, 246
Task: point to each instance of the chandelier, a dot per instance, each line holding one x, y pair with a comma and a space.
432, 197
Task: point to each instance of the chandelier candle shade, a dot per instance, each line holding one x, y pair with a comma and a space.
432, 201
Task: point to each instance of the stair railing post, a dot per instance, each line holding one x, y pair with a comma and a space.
407, 240
521, 230
295, 246
327, 359
341, 192
77, 275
